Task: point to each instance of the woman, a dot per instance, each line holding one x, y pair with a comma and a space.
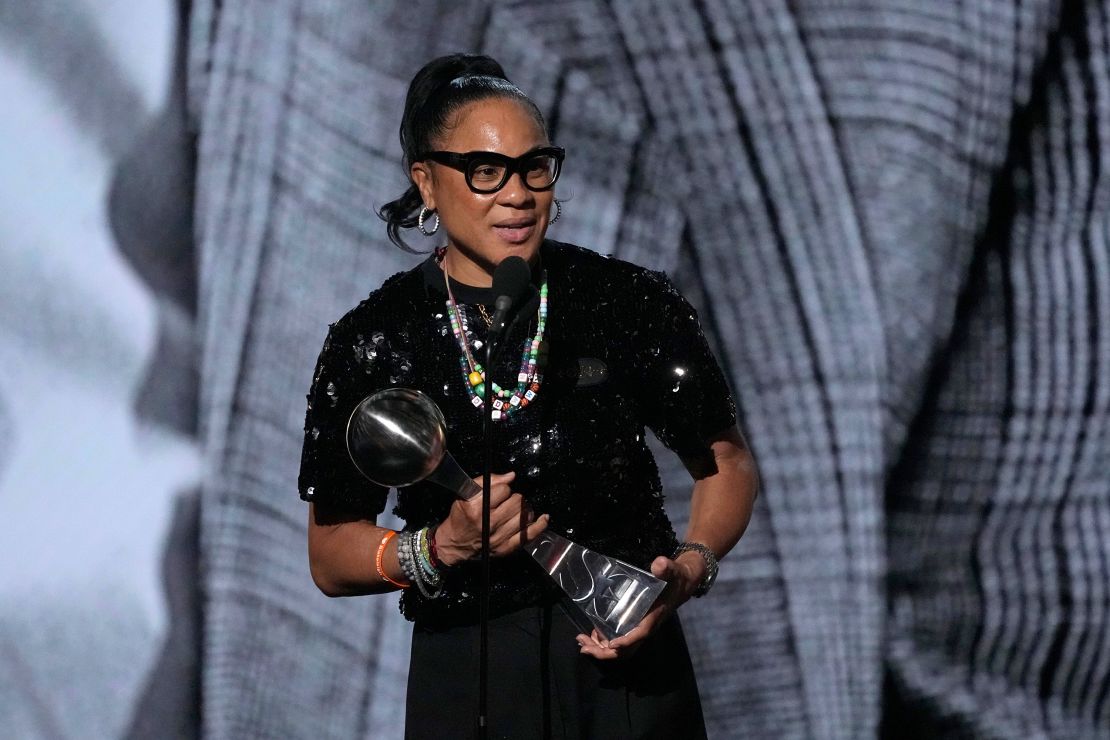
609, 349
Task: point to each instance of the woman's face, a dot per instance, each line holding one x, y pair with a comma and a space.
485, 228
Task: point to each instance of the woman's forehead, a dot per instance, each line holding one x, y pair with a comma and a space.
500, 125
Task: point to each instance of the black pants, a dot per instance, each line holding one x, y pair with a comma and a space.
542, 687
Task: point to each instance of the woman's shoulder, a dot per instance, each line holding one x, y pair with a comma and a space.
391, 304
586, 267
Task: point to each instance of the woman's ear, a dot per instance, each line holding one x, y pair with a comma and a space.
422, 177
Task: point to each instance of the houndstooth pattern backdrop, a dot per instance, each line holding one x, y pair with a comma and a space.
894, 219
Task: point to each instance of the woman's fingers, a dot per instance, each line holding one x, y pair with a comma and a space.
509, 538
512, 522
605, 650
664, 568
511, 528
496, 478
594, 646
626, 645
460, 535
498, 489
631, 640
507, 511
533, 529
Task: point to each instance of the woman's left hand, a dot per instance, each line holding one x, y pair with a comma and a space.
682, 576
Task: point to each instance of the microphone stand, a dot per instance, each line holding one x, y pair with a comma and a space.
483, 601
493, 338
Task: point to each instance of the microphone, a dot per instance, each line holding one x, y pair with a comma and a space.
511, 279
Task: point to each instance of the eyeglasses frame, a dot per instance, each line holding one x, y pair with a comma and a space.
462, 162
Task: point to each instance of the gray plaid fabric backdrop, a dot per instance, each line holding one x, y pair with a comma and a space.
894, 218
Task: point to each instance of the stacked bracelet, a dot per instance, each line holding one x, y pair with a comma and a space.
414, 554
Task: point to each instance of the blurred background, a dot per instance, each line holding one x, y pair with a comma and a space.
893, 217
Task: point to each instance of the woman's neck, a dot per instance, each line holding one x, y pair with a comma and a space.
464, 270
468, 272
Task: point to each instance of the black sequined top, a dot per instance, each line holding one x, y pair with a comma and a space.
624, 350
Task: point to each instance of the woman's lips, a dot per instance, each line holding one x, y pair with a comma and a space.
515, 234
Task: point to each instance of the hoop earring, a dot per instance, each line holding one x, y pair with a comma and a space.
420, 221
558, 211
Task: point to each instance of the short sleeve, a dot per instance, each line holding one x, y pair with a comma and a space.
344, 375
684, 397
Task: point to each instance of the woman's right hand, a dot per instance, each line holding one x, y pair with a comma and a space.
511, 523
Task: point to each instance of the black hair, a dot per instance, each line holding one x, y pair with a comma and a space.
439, 89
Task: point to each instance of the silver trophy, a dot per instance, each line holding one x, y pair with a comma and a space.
398, 436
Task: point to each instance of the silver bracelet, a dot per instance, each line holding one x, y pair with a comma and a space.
711, 565
404, 556
408, 553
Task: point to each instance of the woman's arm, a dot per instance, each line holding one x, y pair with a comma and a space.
720, 509
721, 504
342, 548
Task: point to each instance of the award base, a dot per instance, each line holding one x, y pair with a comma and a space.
608, 594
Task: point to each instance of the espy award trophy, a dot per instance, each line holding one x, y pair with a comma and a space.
398, 436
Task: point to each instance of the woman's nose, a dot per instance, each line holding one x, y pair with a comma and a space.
514, 192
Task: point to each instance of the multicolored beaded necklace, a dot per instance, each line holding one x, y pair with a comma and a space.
528, 378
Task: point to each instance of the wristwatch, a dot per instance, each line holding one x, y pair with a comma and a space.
711, 565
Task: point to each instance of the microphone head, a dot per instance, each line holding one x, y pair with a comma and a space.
511, 278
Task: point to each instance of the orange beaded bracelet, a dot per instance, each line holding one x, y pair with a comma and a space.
378, 560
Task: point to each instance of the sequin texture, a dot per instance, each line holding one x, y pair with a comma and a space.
623, 350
